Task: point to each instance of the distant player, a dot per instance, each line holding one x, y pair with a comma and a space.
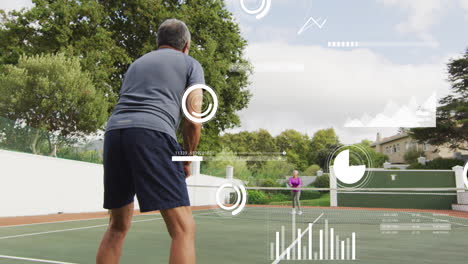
295, 182
140, 141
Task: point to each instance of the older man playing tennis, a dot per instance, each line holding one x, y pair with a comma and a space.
140, 141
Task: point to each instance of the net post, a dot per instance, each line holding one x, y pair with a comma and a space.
333, 191
195, 168
229, 172
459, 178
229, 177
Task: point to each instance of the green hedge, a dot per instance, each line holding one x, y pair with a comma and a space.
438, 164
257, 197
273, 196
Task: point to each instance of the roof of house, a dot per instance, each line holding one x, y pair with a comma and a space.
390, 139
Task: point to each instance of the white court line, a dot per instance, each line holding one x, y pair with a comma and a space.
53, 222
77, 228
295, 241
35, 260
77, 220
69, 229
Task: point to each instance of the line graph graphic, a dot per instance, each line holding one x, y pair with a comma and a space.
311, 22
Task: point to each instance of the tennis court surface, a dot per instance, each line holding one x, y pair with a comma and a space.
380, 236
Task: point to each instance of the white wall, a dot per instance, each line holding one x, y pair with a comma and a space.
36, 185
206, 195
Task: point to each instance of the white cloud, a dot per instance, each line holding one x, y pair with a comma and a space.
14, 4
412, 114
464, 5
334, 86
422, 15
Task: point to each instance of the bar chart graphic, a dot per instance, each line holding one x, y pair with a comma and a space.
312, 244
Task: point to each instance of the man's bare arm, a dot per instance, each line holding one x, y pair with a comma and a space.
191, 131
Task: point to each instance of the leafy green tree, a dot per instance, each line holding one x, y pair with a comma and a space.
296, 146
323, 182
411, 156
258, 143
312, 170
15, 136
320, 142
72, 27
217, 166
377, 159
275, 170
452, 115
51, 93
326, 154
109, 35
216, 43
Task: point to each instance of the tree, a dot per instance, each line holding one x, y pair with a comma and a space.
217, 166
452, 115
72, 27
377, 159
327, 154
109, 35
312, 170
411, 156
321, 139
296, 146
275, 170
51, 93
322, 182
216, 43
258, 143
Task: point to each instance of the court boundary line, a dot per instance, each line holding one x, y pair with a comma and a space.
77, 228
35, 259
53, 222
86, 219
67, 229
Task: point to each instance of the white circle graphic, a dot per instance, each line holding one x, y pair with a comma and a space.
346, 173
241, 200
261, 11
200, 117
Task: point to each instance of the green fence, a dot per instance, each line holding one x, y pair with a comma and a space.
414, 198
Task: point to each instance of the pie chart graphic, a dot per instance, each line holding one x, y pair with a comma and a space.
346, 173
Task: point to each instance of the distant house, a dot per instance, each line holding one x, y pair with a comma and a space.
396, 146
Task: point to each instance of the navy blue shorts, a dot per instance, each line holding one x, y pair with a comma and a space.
139, 161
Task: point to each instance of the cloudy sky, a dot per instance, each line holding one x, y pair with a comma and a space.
403, 48
302, 82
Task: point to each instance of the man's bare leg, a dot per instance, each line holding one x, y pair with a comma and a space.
110, 249
181, 227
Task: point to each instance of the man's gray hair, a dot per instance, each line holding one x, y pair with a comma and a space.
174, 33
